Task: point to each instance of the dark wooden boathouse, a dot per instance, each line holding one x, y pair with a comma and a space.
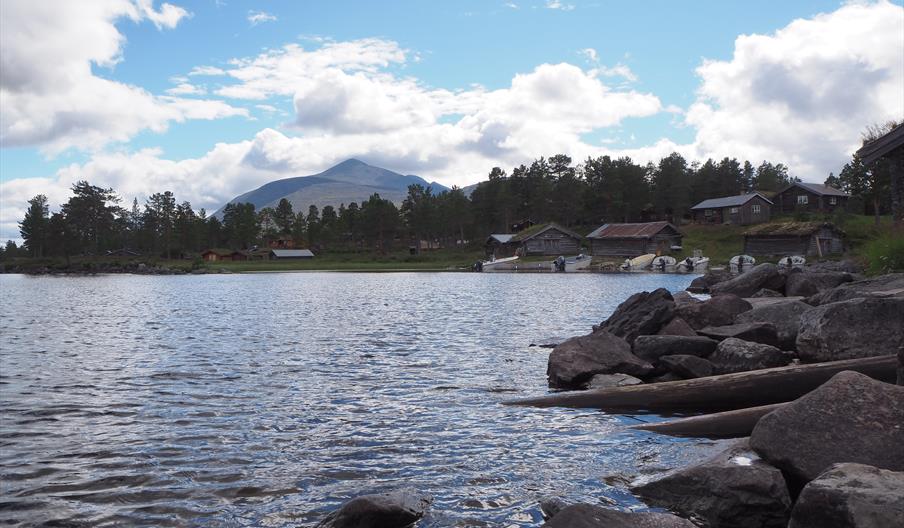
794, 238
744, 209
547, 239
632, 240
810, 197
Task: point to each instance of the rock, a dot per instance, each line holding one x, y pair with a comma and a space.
807, 283
589, 516
733, 489
550, 506
398, 509
850, 418
847, 266
681, 298
703, 283
851, 496
651, 348
668, 376
784, 316
717, 311
687, 366
574, 362
643, 313
851, 329
766, 293
761, 276
891, 285
757, 332
736, 355
677, 327
605, 381
901, 366
698, 285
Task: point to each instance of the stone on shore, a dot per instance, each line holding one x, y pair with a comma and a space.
550, 506
850, 418
848, 266
651, 348
397, 509
737, 355
718, 311
766, 293
677, 327
681, 298
851, 329
784, 316
901, 366
590, 516
643, 313
890, 285
764, 333
734, 488
573, 363
687, 366
606, 381
703, 283
851, 496
761, 276
805, 283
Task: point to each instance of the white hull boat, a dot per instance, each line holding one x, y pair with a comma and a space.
663, 264
741, 263
693, 265
571, 264
502, 264
792, 261
638, 263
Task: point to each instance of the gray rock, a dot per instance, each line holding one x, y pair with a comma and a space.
397, 509
891, 285
802, 283
761, 276
677, 327
850, 418
766, 293
851, 496
698, 285
764, 333
589, 516
643, 313
668, 376
848, 266
736, 355
703, 283
900, 366
733, 489
651, 348
856, 328
718, 311
784, 316
681, 298
574, 362
687, 366
550, 506
606, 381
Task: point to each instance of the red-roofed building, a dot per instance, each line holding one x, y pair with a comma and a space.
632, 240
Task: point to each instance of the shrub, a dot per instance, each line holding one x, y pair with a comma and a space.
886, 253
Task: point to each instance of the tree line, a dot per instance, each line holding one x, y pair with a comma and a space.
587, 194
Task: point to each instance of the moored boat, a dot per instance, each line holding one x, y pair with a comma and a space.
792, 261
663, 264
741, 263
502, 264
693, 265
638, 263
572, 264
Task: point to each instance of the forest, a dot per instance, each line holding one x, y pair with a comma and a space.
584, 195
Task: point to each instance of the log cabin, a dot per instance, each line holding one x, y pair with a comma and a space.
547, 239
500, 245
794, 238
889, 146
219, 255
810, 197
632, 240
744, 209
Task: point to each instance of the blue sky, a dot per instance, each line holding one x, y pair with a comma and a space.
447, 90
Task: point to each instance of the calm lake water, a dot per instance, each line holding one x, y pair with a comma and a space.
269, 399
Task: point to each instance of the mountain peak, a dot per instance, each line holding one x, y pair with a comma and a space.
350, 162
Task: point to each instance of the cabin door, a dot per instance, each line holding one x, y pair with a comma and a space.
550, 246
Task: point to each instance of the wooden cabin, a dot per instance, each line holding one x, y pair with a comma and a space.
291, 254
744, 209
547, 239
281, 243
220, 255
794, 238
890, 146
811, 198
632, 240
500, 245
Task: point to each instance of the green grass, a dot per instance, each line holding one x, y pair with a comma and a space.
718, 242
438, 260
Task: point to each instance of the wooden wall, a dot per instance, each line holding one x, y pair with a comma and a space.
552, 242
830, 242
786, 202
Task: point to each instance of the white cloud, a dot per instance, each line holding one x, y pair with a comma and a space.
49, 94
260, 17
207, 70
511, 5
555, 4
184, 88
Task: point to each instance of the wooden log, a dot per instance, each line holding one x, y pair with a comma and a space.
718, 393
728, 424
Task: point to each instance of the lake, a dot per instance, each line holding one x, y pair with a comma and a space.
269, 399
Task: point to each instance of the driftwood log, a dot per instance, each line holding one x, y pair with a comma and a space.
727, 424
718, 393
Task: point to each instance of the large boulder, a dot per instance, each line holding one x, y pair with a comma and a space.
733, 489
766, 293
851, 496
891, 285
737, 355
397, 509
590, 516
765, 333
651, 348
805, 284
686, 366
850, 418
703, 283
784, 316
574, 362
677, 327
607, 381
900, 376
847, 266
643, 313
681, 298
856, 328
717, 311
764, 275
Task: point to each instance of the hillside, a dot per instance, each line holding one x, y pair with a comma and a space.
350, 181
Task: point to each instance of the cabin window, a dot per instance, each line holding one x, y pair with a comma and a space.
755, 208
708, 212
833, 200
803, 199
734, 210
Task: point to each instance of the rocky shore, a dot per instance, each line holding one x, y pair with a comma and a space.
100, 268
817, 346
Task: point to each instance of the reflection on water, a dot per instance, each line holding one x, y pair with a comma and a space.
266, 400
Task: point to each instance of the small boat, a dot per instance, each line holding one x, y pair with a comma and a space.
502, 264
741, 263
663, 264
571, 264
792, 261
638, 263
693, 265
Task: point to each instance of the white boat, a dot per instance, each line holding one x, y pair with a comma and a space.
638, 263
792, 261
663, 264
693, 265
501, 264
572, 264
741, 263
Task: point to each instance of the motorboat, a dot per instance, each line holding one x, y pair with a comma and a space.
495, 264
572, 264
792, 261
741, 263
663, 264
693, 265
638, 263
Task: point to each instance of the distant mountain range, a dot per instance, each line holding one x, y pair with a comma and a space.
350, 181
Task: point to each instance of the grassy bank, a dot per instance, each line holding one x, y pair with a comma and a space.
438, 260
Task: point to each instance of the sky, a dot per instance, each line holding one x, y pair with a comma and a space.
212, 98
